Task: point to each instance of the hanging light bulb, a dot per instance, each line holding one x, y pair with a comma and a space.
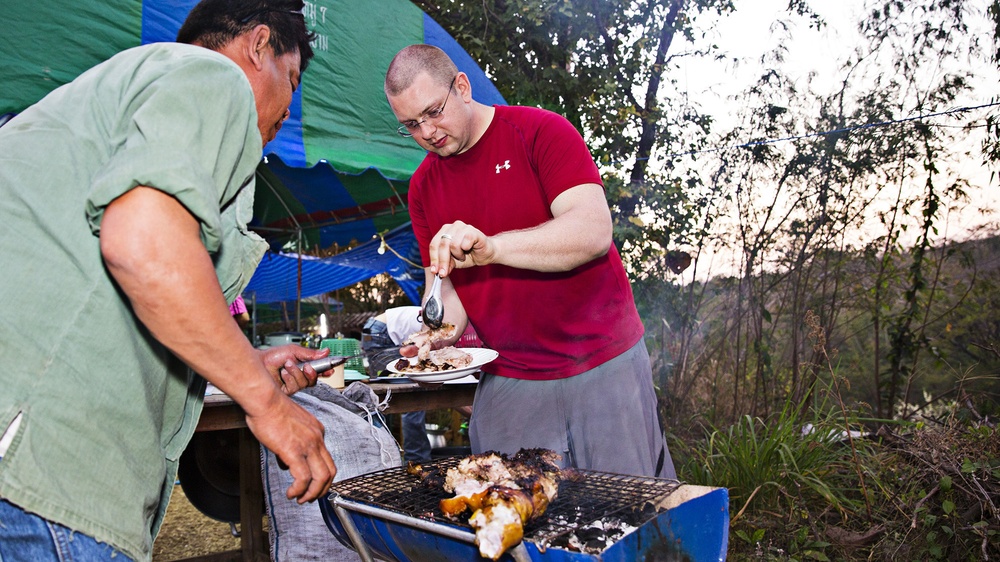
382, 247
323, 331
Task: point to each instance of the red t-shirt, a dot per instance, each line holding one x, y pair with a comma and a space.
544, 325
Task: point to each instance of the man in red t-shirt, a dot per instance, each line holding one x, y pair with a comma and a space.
509, 209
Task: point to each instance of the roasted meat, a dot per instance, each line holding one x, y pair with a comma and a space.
449, 357
429, 360
444, 359
499, 524
504, 493
425, 339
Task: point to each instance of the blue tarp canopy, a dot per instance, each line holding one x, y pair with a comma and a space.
277, 277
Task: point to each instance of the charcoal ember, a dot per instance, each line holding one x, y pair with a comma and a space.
593, 538
596, 536
588, 534
640, 515
597, 544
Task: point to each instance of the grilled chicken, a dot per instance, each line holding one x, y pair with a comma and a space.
429, 360
425, 339
504, 493
449, 357
444, 359
499, 524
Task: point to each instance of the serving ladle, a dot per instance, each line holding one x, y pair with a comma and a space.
433, 311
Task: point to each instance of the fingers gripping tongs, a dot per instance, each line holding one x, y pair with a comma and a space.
327, 363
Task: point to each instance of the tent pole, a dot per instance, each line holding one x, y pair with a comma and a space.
298, 286
253, 319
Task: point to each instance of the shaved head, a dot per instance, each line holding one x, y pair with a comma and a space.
411, 61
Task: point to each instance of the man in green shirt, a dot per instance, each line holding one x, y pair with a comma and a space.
125, 196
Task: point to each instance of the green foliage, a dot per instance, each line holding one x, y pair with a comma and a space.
936, 493
931, 491
610, 68
778, 465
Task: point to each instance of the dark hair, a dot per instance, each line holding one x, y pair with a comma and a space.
214, 23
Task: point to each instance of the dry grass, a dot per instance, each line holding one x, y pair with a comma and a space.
186, 532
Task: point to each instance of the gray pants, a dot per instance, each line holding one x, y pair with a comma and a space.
602, 419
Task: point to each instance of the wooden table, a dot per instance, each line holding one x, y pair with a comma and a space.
221, 413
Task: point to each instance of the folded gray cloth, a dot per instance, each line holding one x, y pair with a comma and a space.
359, 443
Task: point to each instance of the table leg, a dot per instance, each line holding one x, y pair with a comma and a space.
253, 540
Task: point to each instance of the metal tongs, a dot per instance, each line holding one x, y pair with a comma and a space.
433, 311
327, 363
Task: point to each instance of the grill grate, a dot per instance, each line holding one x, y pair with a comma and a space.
581, 501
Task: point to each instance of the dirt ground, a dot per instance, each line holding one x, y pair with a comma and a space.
187, 532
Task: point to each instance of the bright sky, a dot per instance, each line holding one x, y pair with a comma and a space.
756, 28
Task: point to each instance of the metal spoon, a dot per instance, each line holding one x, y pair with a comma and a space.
433, 312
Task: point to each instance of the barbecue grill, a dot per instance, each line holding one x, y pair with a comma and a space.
392, 515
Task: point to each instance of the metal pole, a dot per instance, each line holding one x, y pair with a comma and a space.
298, 285
253, 318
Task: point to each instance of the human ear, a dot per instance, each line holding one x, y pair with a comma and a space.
259, 38
464, 86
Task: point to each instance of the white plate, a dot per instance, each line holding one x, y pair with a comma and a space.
467, 379
480, 357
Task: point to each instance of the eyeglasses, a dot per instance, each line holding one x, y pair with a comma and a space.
263, 11
408, 128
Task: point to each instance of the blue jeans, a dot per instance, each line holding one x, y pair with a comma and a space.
416, 445
28, 538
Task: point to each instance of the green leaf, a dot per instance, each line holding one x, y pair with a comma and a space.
948, 506
946, 483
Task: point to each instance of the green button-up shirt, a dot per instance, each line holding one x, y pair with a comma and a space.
106, 409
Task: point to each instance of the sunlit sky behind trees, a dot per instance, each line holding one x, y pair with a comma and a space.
814, 60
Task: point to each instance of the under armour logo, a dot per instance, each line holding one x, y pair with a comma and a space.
504, 166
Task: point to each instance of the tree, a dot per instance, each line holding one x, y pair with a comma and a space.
799, 213
605, 65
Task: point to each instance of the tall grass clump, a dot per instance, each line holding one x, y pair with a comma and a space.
782, 473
